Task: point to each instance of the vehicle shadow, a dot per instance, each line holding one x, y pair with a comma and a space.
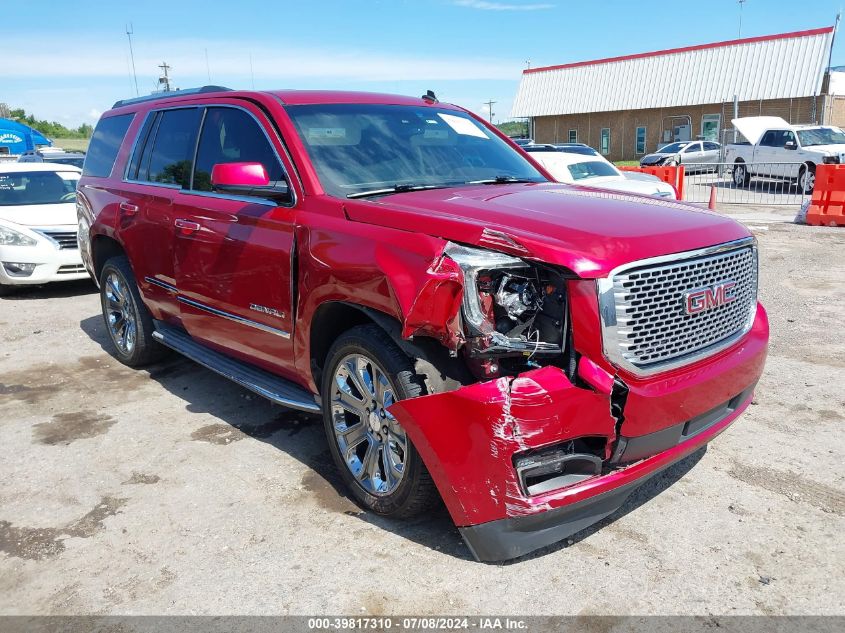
301, 436
59, 290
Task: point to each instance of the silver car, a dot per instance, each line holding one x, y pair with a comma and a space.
694, 155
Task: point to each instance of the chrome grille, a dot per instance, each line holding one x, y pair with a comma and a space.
646, 325
70, 269
65, 239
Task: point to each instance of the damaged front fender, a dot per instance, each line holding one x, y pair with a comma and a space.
468, 437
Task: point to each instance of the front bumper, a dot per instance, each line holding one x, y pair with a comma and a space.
468, 438
51, 264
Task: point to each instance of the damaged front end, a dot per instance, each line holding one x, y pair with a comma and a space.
534, 451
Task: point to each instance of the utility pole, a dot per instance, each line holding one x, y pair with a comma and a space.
164, 79
489, 105
741, 2
129, 33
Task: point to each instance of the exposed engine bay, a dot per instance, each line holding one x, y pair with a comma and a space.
515, 313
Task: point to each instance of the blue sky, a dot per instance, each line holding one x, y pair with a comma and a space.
69, 61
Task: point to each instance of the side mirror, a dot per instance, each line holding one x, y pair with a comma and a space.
791, 145
247, 179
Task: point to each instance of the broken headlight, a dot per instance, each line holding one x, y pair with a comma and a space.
510, 306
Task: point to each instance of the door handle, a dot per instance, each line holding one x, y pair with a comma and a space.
186, 227
128, 209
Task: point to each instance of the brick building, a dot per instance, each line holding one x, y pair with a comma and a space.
628, 106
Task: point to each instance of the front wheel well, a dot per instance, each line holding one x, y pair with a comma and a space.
103, 248
330, 321
440, 370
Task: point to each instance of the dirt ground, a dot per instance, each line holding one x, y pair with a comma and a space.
174, 491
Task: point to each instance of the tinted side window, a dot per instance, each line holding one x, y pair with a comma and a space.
230, 135
143, 146
709, 146
105, 143
172, 148
768, 139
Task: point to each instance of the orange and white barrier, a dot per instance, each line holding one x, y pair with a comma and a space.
673, 175
827, 206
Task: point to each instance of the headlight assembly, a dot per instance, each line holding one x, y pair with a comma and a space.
10, 237
510, 306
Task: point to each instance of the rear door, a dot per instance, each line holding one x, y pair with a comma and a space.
159, 168
769, 154
711, 152
233, 253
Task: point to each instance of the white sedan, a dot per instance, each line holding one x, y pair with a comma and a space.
595, 171
38, 225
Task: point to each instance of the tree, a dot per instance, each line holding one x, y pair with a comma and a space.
50, 129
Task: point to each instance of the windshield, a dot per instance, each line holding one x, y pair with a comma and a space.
821, 136
358, 148
672, 148
592, 169
76, 161
37, 187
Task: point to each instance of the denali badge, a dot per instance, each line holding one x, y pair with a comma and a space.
266, 310
701, 299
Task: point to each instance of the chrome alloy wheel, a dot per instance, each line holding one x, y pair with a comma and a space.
807, 180
120, 314
373, 445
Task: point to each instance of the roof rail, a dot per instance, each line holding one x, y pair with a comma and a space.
172, 93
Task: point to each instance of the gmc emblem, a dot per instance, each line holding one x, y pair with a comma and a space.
701, 299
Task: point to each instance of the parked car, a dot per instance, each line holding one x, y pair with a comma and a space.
596, 171
38, 225
576, 148
776, 149
696, 156
467, 328
53, 155
521, 140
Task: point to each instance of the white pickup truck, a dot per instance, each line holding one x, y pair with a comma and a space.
776, 149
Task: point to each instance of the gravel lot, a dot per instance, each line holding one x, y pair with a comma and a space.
174, 491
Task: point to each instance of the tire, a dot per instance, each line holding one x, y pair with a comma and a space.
741, 177
352, 435
807, 179
128, 322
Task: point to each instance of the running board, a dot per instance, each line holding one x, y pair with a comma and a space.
265, 384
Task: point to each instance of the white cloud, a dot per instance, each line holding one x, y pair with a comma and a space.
502, 6
232, 59
94, 114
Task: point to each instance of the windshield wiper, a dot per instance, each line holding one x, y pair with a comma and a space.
396, 189
501, 180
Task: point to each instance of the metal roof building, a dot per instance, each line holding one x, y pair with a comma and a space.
696, 89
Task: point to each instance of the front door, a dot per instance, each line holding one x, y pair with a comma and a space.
233, 253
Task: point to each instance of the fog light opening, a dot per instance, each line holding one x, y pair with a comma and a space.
16, 269
560, 465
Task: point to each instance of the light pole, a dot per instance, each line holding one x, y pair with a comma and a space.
489, 105
741, 2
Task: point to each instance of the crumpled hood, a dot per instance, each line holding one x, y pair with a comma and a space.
589, 231
40, 215
655, 157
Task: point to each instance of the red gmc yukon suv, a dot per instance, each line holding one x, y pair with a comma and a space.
528, 352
